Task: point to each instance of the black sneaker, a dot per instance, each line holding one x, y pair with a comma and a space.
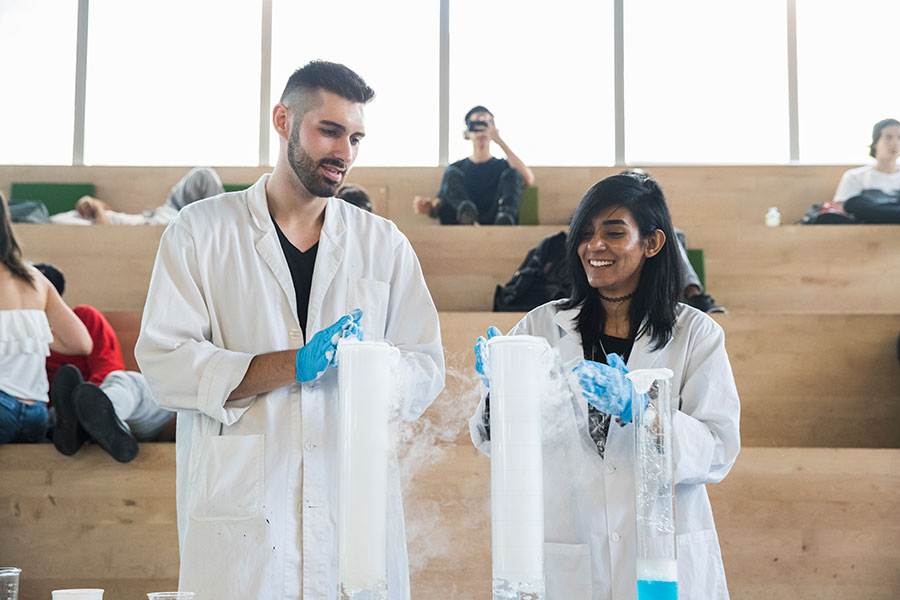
705, 303
467, 213
504, 218
68, 434
97, 415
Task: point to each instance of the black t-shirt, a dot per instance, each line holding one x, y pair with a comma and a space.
301, 266
482, 180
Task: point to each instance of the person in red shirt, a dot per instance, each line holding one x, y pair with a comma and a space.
94, 396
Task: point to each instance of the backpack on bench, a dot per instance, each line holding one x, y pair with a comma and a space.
539, 279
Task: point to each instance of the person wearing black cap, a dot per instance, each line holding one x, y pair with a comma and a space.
872, 193
481, 188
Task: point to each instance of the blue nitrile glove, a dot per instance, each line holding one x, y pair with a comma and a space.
482, 359
606, 388
316, 356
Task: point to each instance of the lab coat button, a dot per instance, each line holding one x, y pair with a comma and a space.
615, 536
295, 334
611, 469
308, 446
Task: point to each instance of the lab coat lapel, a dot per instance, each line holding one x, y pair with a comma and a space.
570, 344
642, 357
267, 244
328, 261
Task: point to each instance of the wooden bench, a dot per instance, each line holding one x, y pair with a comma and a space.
793, 522
787, 269
698, 195
803, 381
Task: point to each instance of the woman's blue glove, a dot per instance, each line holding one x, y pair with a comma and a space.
482, 358
316, 356
606, 388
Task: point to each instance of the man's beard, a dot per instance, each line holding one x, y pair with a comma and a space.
306, 168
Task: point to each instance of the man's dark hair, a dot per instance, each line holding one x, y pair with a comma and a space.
54, 275
661, 281
476, 109
876, 132
333, 77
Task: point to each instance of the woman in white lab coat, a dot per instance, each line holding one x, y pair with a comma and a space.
625, 276
257, 477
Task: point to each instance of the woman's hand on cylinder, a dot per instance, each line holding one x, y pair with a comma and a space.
314, 358
482, 358
605, 386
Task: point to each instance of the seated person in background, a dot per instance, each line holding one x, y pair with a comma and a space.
94, 396
693, 289
33, 319
480, 189
356, 196
872, 193
199, 183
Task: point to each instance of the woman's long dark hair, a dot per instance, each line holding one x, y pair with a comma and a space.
661, 281
10, 253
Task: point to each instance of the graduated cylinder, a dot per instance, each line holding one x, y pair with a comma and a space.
366, 388
657, 569
517, 485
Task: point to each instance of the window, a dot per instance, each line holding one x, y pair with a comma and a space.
544, 69
706, 82
847, 76
37, 106
393, 45
172, 82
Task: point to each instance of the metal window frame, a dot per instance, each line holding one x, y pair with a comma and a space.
265, 82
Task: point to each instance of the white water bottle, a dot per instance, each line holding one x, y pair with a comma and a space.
773, 217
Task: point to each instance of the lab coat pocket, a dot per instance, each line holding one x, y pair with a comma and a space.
230, 480
372, 297
567, 571
701, 574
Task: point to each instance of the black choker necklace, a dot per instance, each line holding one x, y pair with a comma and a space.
619, 299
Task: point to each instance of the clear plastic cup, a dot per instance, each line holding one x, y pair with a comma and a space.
9, 583
79, 594
170, 596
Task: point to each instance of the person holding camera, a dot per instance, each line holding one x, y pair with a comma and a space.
481, 188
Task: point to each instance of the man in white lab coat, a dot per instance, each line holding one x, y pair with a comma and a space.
249, 293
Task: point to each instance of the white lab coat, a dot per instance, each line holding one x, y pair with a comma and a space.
589, 517
253, 473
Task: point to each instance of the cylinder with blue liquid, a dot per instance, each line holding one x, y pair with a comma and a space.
657, 567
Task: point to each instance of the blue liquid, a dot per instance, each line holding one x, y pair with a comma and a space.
657, 590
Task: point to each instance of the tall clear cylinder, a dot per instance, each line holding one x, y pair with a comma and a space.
367, 385
517, 483
657, 568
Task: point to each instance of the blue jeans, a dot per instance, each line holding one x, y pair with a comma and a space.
20, 422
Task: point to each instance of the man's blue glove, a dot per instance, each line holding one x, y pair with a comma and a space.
316, 356
482, 358
606, 388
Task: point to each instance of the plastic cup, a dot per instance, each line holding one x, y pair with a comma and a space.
170, 596
9, 583
79, 594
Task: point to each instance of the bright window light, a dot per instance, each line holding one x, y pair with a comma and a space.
847, 76
706, 82
37, 106
173, 82
544, 69
393, 45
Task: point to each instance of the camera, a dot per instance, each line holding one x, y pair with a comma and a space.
477, 125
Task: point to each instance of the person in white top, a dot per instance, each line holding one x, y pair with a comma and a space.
624, 315
249, 295
198, 183
872, 193
33, 319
